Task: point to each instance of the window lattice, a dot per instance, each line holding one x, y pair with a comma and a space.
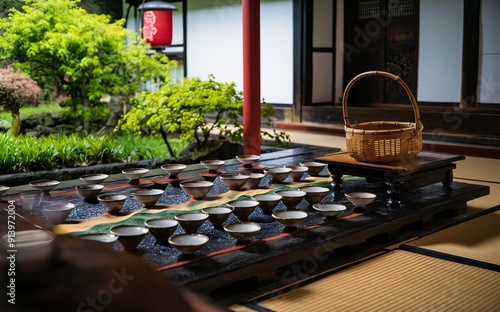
369, 9
399, 8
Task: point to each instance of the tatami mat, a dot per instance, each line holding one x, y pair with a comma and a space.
484, 202
477, 239
395, 281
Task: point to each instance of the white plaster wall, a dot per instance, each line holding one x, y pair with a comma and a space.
276, 28
214, 45
177, 27
489, 63
440, 50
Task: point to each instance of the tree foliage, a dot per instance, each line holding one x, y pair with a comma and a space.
182, 108
17, 90
81, 55
6, 5
194, 109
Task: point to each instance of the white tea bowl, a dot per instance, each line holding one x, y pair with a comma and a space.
58, 213
148, 197
329, 210
267, 202
278, 174
112, 202
291, 198
197, 189
173, 170
360, 199
188, 244
134, 173
242, 231
290, 218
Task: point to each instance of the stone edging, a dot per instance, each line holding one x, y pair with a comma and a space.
15, 179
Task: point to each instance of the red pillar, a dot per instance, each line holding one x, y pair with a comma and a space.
251, 76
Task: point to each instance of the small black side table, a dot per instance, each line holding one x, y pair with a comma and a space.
409, 174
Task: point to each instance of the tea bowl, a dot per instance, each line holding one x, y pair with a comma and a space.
197, 189
173, 170
188, 244
360, 199
248, 160
234, 181
291, 198
89, 191
134, 173
278, 174
148, 197
314, 167
329, 210
297, 172
267, 202
3, 189
30, 200
34, 250
290, 218
242, 231
129, 236
103, 238
218, 215
212, 164
94, 178
315, 194
191, 222
162, 229
253, 180
45, 185
57, 213
242, 209
113, 202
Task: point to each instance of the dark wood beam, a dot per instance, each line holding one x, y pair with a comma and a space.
302, 60
470, 53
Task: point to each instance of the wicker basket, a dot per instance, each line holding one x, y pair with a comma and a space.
382, 141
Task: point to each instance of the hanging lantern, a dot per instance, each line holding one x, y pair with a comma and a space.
157, 23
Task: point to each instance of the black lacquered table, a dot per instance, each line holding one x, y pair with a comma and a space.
229, 272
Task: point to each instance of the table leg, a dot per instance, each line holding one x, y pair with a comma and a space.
448, 180
337, 182
393, 190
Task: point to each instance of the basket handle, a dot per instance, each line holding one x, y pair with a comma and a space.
418, 123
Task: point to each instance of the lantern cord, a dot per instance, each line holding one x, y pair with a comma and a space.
142, 16
126, 15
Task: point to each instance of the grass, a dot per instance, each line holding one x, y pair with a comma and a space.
25, 111
26, 153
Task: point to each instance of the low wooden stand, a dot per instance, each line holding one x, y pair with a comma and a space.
402, 176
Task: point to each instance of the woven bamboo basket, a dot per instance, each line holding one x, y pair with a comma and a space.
382, 141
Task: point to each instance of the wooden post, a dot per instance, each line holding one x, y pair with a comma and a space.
470, 54
251, 76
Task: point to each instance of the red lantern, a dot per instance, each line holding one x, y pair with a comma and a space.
157, 22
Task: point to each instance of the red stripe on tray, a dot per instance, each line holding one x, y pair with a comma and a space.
116, 186
238, 247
